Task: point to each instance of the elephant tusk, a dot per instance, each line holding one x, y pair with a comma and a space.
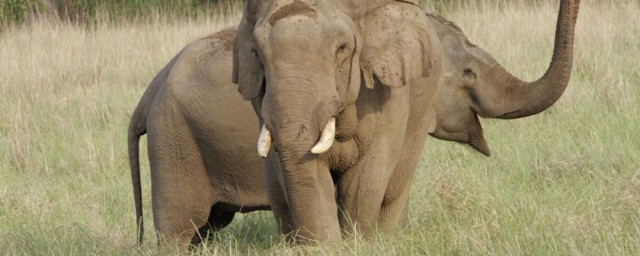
326, 138
264, 142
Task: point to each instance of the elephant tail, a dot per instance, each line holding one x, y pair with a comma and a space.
135, 131
137, 128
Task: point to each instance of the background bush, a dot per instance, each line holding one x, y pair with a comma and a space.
88, 11
12, 10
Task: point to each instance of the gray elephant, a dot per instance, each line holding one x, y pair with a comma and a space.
201, 132
201, 143
344, 91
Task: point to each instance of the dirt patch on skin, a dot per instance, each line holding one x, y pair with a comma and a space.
225, 36
228, 37
453, 27
295, 8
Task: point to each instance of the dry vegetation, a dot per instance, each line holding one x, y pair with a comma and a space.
563, 182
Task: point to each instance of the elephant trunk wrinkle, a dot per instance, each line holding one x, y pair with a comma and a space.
297, 116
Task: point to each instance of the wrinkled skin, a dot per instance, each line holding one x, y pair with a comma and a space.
201, 142
304, 64
230, 111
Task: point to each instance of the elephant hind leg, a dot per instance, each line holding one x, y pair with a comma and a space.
218, 219
179, 223
182, 195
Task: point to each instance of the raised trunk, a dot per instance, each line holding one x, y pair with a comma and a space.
515, 98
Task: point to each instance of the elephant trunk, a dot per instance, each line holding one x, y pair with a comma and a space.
296, 125
310, 197
299, 112
515, 98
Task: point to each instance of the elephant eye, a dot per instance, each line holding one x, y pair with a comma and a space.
341, 51
468, 73
342, 47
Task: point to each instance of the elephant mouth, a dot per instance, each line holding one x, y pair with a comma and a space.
327, 136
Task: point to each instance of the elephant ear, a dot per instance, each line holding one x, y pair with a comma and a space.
398, 42
248, 71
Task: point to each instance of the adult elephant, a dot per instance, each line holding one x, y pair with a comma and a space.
201, 142
346, 97
192, 106
344, 91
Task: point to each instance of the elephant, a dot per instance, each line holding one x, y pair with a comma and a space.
346, 93
200, 137
201, 133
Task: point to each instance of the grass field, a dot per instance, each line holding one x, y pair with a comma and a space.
565, 182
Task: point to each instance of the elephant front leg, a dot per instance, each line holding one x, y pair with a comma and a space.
362, 189
394, 207
393, 210
372, 198
359, 197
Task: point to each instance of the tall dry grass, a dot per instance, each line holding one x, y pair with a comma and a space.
67, 93
566, 181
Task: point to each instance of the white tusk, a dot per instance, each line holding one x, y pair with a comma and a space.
326, 138
264, 142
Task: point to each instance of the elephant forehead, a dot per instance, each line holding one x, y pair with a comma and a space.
295, 8
296, 31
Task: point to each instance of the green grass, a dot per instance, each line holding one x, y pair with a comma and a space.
565, 182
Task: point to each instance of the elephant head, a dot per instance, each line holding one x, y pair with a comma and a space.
297, 60
303, 64
305, 60
473, 83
